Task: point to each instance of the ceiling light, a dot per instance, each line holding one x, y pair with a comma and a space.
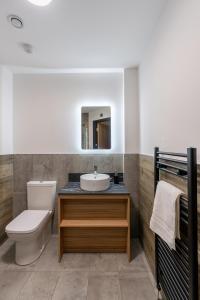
40, 2
15, 21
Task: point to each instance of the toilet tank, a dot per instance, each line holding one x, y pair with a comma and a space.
41, 195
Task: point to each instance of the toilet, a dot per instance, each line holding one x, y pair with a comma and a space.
32, 228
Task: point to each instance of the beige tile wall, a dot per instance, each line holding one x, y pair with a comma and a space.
6, 192
146, 196
131, 172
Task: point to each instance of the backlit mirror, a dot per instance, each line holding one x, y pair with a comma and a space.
96, 127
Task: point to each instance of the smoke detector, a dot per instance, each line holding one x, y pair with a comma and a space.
15, 21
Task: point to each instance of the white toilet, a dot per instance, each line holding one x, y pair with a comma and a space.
32, 228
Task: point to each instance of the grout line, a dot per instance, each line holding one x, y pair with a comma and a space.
26, 281
87, 285
53, 292
120, 290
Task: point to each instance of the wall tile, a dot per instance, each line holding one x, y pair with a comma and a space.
19, 203
86, 163
131, 172
61, 165
6, 192
23, 171
43, 167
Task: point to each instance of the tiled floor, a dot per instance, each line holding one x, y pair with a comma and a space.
77, 277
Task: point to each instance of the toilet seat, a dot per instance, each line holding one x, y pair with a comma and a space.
28, 221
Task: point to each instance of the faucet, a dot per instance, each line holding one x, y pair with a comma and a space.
95, 170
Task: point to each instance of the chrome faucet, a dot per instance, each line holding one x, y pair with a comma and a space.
95, 169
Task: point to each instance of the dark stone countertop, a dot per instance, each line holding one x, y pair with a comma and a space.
74, 188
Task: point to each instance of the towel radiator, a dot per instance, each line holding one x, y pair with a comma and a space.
177, 271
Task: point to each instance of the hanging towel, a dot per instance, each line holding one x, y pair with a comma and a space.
166, 210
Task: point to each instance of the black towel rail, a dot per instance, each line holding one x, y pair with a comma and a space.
177, 270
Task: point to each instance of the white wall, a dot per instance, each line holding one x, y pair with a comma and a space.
131, 110
6, 111
47, 110
170, 81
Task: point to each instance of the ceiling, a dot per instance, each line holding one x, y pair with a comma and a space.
78, 33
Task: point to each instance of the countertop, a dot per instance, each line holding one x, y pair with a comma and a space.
74, 188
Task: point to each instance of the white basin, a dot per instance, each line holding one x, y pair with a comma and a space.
95, 182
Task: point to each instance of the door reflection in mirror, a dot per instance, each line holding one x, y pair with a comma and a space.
96, 127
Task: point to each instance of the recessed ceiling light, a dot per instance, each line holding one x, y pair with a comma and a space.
40, 2
15, 21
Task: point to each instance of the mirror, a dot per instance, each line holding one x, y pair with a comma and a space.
96, 127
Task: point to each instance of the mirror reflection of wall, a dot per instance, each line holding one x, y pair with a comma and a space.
96, 127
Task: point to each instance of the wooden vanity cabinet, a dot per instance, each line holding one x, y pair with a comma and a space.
94, 223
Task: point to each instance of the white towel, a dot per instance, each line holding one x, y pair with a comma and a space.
165, 216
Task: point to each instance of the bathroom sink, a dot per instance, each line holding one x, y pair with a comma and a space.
95, 182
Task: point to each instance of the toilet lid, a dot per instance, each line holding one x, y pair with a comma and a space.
27, 222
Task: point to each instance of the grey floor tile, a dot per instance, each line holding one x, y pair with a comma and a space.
79, 261
101, 275
71, 286
11, 283
136, 286
106, 262
137, 264
48, 261
40, 286
103, 287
